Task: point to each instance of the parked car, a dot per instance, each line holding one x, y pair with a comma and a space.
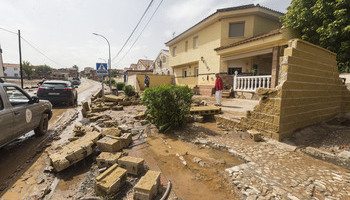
21, 113
76, 81
58, 92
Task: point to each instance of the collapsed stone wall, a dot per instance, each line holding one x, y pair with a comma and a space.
309, 92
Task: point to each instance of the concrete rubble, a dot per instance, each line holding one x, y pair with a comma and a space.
107, 159
110, 181
75, 151
148, 186
133, 165
109, 144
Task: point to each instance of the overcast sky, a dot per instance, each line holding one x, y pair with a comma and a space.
62, 29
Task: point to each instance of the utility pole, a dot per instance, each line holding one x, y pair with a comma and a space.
20, 57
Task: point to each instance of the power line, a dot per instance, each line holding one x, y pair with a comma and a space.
141, 31
31, 45
149, 5
36, 49
8, 31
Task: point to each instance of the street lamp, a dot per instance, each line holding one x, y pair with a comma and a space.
109, 60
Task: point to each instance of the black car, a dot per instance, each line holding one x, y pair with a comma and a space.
76, 81
58, 92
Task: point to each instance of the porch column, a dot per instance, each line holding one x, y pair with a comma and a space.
275, 66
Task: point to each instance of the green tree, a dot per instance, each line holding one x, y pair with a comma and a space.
114, 72
43, 68
27, 68
76, 67
325, 23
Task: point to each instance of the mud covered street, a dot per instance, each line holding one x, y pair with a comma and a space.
18, 156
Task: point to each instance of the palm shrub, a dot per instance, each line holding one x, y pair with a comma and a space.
129, 90
168, 105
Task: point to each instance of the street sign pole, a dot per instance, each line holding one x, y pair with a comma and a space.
102, 69
103, 89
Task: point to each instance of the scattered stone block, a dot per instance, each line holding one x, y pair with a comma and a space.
125, 103
94, 118
96, 109
110, 123
113, 98
126, 139
112, 131
140, 116
110, 104
124, 128
133, 165
255, 135
148, 186
109, 144
144, 122
110, 181
107, 159
117, 108
75, 151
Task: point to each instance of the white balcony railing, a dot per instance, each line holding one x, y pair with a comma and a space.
250, 83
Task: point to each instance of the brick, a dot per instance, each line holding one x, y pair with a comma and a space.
140, 115
74, 151
148, 186
125, 103
126, 139
133, 165
110, 181
117, 108
109, 144
107, 159
113, 98
112, 131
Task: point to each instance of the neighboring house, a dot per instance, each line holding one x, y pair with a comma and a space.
132, 67
161, 63
12, 70
60, 74
246, 39
144, 64
1, 64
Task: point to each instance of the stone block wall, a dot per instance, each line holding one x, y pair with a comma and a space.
309, 92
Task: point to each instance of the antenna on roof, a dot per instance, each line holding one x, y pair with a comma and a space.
173, 34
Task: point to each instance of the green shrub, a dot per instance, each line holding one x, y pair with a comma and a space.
120, 85
129, 90
168, 105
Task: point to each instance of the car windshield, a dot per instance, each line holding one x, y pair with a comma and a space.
54, 85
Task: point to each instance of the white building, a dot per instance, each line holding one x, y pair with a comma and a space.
1, 64
161, 63
12, 70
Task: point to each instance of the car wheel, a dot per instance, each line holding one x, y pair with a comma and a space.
43, 126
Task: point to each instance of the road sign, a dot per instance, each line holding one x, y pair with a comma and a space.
101, 68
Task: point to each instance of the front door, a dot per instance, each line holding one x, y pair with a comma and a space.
22, 116
6, 123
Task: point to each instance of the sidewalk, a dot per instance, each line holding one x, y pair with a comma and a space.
276, 170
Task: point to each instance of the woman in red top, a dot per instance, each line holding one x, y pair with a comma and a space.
218, 89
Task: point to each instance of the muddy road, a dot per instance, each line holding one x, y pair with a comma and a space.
16, 157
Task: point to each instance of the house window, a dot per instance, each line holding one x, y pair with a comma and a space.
231, 70
16, 75
174, 51
196, 71
186, 46
185, 73
16, 69
236, 29
168, 72
195, 42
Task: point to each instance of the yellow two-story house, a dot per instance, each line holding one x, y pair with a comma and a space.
245, 40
